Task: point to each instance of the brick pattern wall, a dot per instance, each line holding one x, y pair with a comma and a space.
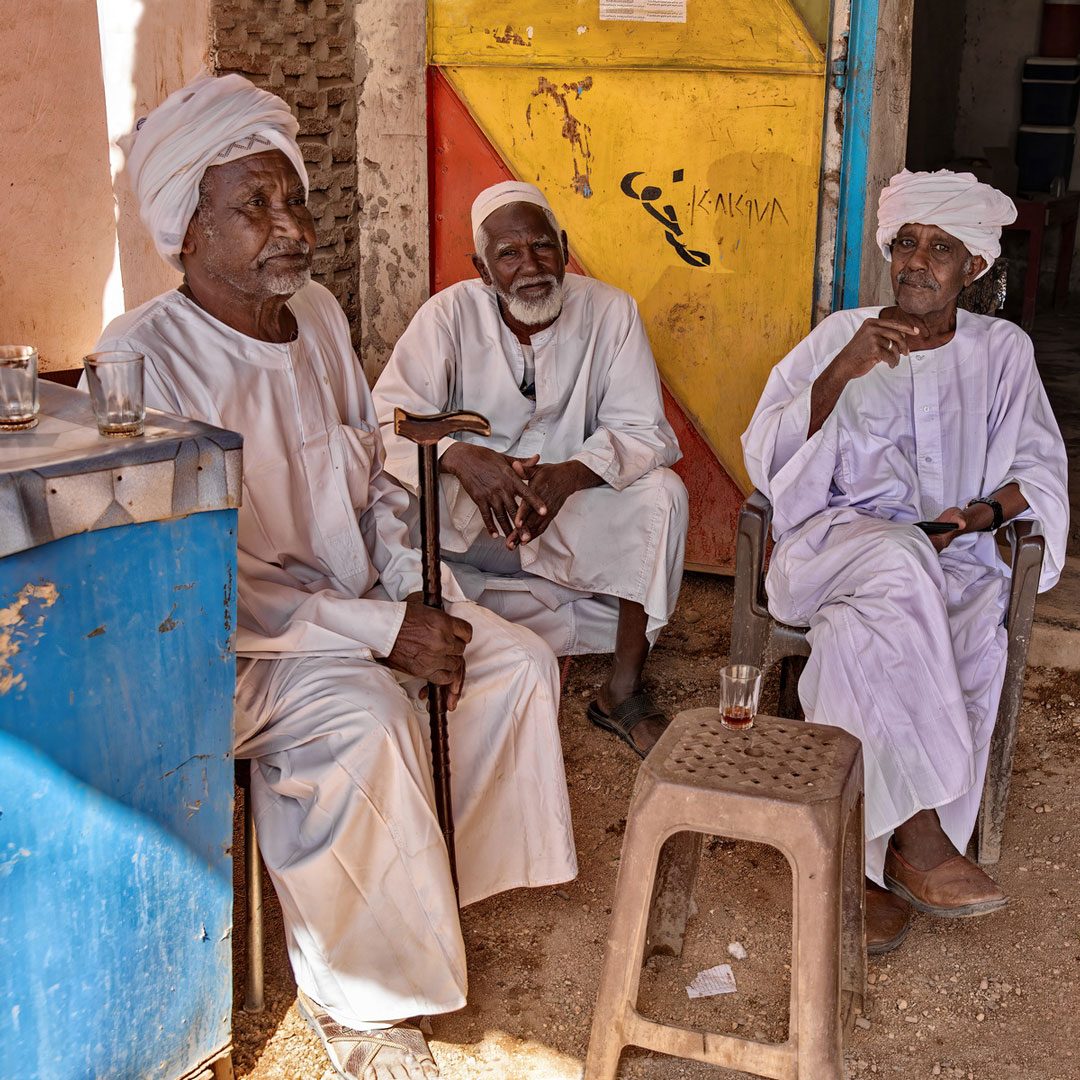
305, 51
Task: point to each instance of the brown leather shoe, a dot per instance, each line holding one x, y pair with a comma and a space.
954, 889
888, 919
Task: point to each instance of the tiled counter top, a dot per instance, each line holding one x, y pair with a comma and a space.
62, 477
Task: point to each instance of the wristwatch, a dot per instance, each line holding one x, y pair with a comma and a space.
999, 514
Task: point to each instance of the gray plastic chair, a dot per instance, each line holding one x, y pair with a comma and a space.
757, 638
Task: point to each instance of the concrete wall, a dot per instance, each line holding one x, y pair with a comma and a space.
1001, 34
936, 48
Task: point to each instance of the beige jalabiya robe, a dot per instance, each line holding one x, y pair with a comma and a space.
598, 401
341, 784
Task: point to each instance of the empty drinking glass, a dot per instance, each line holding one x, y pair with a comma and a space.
18, 387
740, 691
116, 392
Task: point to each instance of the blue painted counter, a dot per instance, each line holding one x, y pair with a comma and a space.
116, 686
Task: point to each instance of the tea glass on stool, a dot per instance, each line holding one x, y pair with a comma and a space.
740, 692
115, 380
18, 387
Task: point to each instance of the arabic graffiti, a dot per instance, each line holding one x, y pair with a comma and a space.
666, 215
756, 209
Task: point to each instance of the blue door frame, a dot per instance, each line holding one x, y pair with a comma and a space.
855, 155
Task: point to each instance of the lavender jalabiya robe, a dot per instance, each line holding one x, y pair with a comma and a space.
907, 645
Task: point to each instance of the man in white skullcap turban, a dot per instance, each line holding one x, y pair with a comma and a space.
334, 643
966, 209
893, 443
567, 519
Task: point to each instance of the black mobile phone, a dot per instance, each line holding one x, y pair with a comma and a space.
935, 528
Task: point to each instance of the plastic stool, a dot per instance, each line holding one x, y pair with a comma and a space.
794, 786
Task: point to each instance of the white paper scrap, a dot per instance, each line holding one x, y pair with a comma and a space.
667, 11
713, 981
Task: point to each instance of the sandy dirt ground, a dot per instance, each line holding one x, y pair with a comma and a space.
985, 999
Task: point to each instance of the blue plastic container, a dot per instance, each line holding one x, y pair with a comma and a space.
1044, 155
1051, 91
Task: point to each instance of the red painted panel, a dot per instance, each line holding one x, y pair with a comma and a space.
714, 498
462, 163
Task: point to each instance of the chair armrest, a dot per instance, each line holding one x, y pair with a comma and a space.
1028, 547
755, 519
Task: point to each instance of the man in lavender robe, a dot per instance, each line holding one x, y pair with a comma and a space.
879, 419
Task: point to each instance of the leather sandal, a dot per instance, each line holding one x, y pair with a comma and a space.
626, 716
888, 919
351, 1052
954, 889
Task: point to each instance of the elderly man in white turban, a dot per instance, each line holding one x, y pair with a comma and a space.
881, 420
333, 640
566, 518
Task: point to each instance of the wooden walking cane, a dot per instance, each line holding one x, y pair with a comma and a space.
426, 431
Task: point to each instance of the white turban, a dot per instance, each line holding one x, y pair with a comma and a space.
971, 211
509, 191
208, 122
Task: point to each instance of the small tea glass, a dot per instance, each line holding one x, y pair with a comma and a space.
740, 692
115, 380
18, 387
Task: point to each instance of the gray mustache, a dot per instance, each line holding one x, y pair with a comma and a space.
920, 281
284, 247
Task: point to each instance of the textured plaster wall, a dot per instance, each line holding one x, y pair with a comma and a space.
392, 172
73, 256
57, 236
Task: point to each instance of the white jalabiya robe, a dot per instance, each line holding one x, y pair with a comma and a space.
342, 790
908, 646
598, 401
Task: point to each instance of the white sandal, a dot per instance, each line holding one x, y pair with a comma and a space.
351, 1052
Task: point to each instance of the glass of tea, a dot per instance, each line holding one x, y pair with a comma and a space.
115, 380
740, 691
18, 387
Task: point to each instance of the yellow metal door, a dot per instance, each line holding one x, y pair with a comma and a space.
683, 160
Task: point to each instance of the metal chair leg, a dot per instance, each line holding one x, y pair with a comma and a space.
254, 976
254, 982
791, 669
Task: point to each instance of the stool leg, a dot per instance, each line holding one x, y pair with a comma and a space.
621, 974
253, 982
816, 950
853, 973
676, 873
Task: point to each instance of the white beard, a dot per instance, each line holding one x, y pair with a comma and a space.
286, 284
534, 312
